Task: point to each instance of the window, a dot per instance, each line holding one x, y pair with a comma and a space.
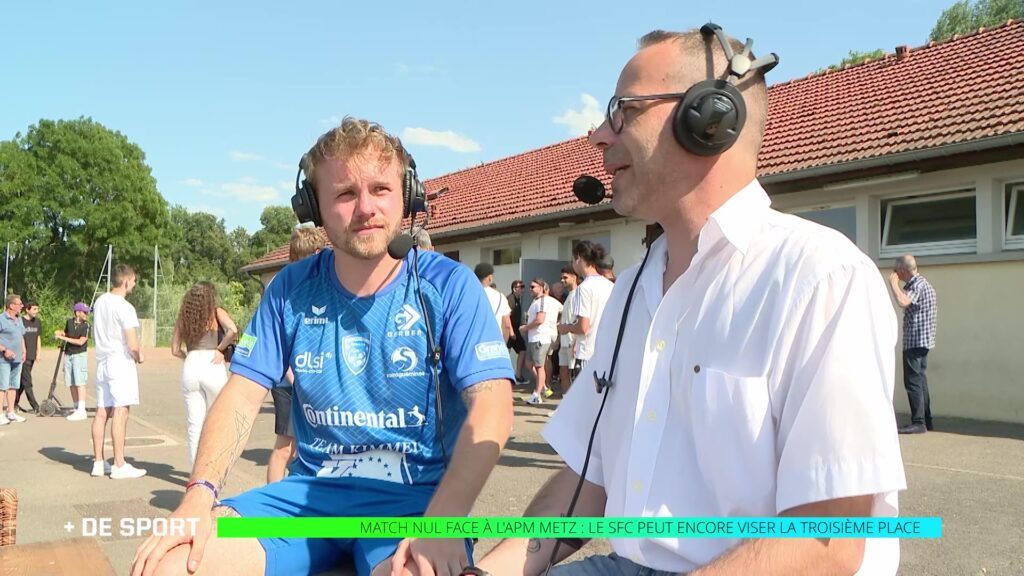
502, 256
454, 255
604, 240
841, 218
929, 225
1014, 216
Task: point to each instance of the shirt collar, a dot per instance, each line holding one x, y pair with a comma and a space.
737, 219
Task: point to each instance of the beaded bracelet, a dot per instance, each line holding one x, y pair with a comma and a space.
207, 484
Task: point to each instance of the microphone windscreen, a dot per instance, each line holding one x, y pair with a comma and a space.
400, 246
588, 189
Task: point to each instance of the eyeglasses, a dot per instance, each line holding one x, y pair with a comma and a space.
616, 119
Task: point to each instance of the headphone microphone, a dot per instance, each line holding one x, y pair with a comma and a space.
588, 189
400, 246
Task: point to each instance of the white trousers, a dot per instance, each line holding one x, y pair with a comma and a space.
201, 382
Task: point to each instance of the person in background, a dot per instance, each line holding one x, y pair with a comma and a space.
12, 349
920, 315
118, 354
305, 241
198, 329
75, 337
518, 342
541, 332
566, 357
496, 300
31, 322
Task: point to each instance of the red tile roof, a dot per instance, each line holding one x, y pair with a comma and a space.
963, 89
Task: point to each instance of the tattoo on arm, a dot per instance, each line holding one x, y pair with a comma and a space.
533, 546
469, 394
230, 452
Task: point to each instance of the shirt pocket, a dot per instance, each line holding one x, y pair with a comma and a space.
734, 440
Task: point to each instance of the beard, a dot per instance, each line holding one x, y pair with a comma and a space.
365, 246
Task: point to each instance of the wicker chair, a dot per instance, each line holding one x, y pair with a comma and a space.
8, 516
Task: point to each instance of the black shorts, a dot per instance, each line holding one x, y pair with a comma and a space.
517, 343
282, 410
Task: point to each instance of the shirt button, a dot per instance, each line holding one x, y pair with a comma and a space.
696, 368
652, 415
638, 486
660, 345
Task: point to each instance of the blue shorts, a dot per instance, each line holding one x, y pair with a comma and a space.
307, 496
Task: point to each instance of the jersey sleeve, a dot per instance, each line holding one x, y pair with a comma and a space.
473, 348
260, 352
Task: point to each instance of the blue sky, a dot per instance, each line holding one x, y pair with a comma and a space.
224, 97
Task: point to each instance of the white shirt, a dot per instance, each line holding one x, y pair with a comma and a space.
568, 340
760, 381
591, 299
548, 330
112, 315
499, 305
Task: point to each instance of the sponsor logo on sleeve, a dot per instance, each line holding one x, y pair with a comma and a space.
493, 350
245, 345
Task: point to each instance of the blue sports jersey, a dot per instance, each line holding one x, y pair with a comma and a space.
363, 402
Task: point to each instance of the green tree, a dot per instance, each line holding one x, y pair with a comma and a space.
199, 247
68, 188
964, 18
855, 57
278, 223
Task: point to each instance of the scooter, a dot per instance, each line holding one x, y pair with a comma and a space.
52, 405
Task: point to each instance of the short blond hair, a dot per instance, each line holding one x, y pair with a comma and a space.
694, 47
305, 241
351, 138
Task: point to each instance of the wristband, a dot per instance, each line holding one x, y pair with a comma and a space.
206, 484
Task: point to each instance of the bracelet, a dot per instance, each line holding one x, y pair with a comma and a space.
206, 484
474, 571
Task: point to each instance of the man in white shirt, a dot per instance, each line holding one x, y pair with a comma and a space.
755, 373
541, 331
567, 340
591, 299
117, 377
499, 305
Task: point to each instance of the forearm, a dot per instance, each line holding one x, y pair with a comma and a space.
789, 557
521, 556
476, 451
227, 429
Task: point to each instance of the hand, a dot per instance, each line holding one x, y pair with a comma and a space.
197, 504
430, 557
58, 334
8, 354
894, 280
142, 357
218, 357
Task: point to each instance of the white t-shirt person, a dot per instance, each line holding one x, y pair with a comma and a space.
112, 315
548, 331
591, 298
499, 304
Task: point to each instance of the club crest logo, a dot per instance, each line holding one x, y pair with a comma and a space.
356, 352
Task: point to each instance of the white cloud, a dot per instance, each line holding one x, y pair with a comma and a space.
285, 166
582, 121
247, 190
445, 139
331, 121
192, 182
244, 156
286, 186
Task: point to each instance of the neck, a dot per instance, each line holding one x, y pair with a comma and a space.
364, 277
119, 290
684, 218
12, 313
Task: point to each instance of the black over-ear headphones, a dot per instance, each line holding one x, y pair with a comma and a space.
711, 116
307, 208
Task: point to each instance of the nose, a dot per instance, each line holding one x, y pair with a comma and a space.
602, 137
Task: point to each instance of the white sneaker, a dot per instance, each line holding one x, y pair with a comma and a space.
126, 471
98, 470
534, 399
3, 420
14, 417
78, 415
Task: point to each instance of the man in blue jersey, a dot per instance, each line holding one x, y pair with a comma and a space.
353, 325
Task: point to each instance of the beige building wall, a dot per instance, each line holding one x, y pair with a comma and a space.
976, 369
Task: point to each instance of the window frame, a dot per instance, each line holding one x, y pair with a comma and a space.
943, 247
1012, 241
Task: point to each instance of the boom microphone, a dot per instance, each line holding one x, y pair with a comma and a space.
588, 189
400, 246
